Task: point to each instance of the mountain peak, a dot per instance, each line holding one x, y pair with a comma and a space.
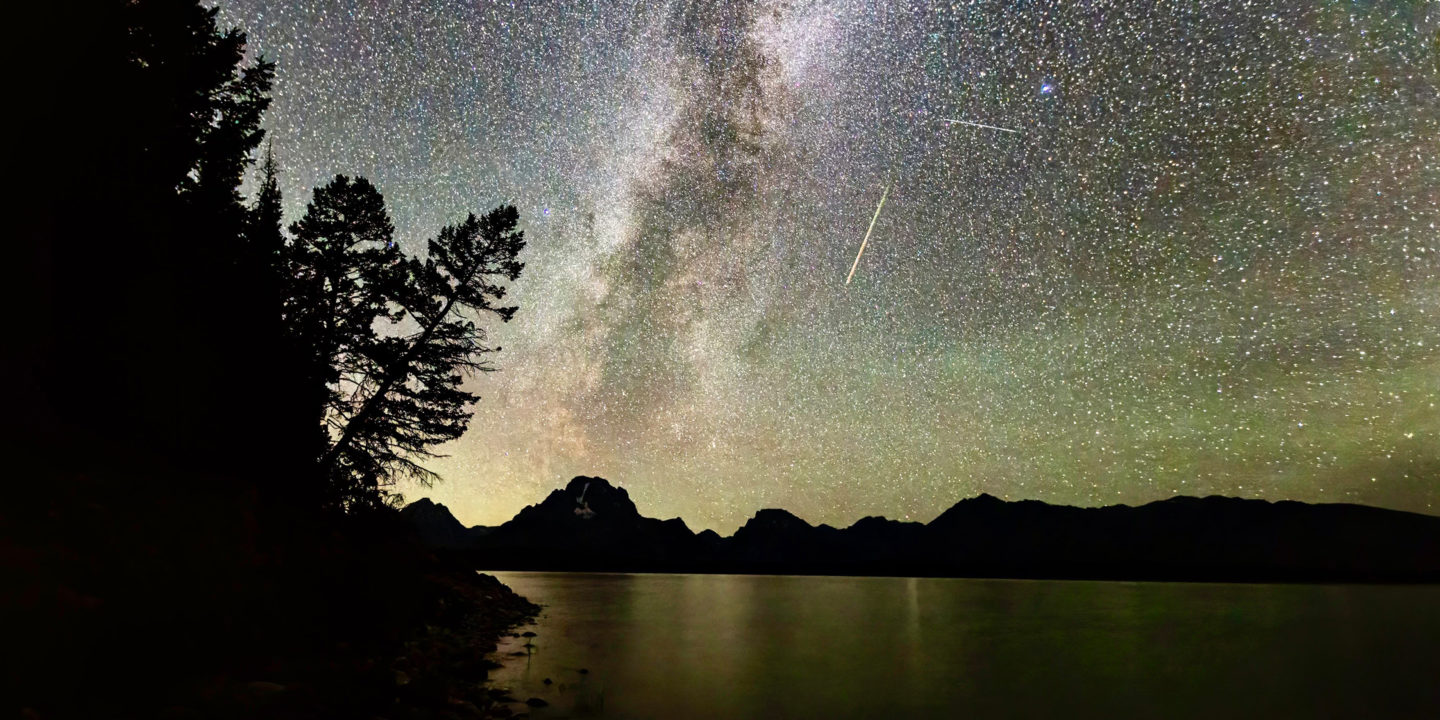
435, 524
982, 505
595, 496
874, 522
579, 483
582, 499
427, 507
777, 517
772, 521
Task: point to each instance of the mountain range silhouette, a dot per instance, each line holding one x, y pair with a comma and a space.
592, 525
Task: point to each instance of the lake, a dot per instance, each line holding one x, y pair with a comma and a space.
738, 646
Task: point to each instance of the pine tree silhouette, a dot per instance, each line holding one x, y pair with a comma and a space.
408, 398
386, 340
182, 332
160, 353
338, 268
264, 228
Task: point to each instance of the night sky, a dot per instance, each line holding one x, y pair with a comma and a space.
1200, 257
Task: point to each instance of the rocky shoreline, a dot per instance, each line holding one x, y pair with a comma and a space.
444, 669
440, 670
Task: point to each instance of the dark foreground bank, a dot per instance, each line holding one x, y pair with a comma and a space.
208, 603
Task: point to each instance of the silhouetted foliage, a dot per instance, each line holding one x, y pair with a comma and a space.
406, 395
178, 331
386, 339
264, 233
175, 536
161, 353
337, 270
153, 386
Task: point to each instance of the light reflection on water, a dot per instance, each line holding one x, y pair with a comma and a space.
729, 646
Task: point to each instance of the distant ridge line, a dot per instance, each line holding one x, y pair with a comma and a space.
1213, 538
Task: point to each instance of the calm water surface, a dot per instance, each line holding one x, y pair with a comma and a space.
736, 646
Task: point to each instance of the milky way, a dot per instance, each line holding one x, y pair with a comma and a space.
1204, 262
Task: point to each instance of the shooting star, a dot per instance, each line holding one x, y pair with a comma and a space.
979, 125
855, 264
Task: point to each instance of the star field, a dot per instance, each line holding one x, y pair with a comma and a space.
1205, 261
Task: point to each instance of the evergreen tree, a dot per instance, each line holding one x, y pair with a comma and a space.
407, 396
339, 274
269, 260
264, 232
385, 340
157, 343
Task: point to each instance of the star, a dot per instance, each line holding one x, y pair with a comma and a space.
1043, 318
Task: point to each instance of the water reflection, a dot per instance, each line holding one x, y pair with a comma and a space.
716, 646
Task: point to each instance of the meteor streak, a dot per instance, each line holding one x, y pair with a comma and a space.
868, 231
979, 125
